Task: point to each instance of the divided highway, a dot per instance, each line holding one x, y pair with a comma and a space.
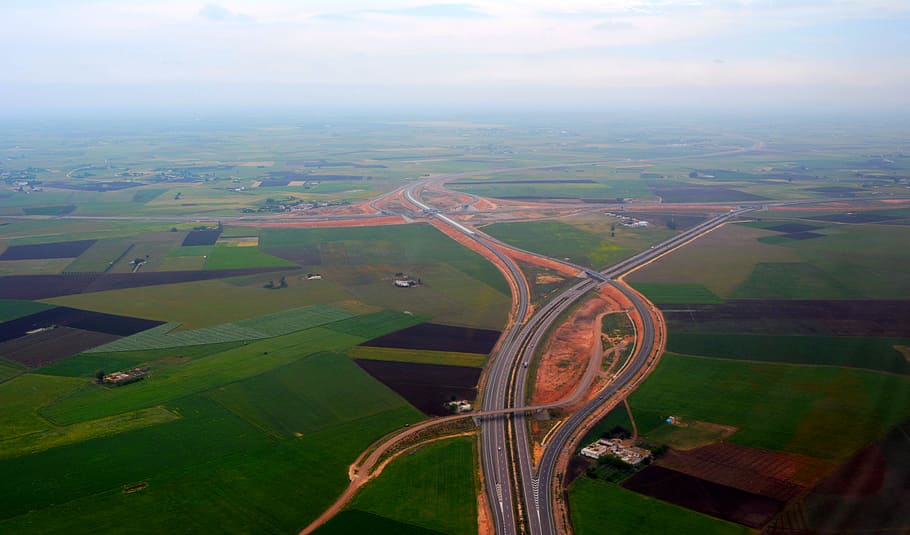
506, 380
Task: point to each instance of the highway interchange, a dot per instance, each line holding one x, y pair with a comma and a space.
505, 447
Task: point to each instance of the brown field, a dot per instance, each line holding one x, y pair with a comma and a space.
774, 474
45, 347
721, 501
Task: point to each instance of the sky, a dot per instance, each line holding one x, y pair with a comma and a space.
97, 55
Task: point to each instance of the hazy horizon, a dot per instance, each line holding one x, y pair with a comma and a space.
729, 56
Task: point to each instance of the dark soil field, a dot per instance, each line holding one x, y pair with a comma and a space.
856, 217
773, 474
437, 337
704, 496
694, 193
293, 175
526, 181
802, 235
815, 317
93, 186
426, 386
836, 191
76, 319
577, 467
789, 228
274, 183
47, 286
65, 249
201, 237
870, 493
45, 347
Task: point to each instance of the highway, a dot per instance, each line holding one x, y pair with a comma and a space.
537, 487
494, 431
506, 381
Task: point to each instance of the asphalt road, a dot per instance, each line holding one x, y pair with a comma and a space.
506, 381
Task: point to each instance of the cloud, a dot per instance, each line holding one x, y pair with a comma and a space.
217, 13
451, 11
611, 25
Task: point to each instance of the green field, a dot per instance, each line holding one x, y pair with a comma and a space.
720, 261
85, 364
11, 309
93, 401
10, 369
204, 303
419, 356
458, 286
398, 245
674, 293
101, 256
369, 326
600, 507
848, 262
306, 396
819, 411
205, 471
433, 487
853, 351
191, 250
560, 240
618, 416
231, 257
347, 522
270, 325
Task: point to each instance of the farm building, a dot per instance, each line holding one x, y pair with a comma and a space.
614, 446
125, 377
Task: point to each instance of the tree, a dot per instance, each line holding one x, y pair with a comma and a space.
693, 174
99, 376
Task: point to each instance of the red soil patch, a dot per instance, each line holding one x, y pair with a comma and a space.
362, 222
485, 204
565, 358
774, 474
559, 267
447, 199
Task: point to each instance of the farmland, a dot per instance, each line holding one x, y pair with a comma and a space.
799, 409
857, 352
181, 247
426, 386
846, 262
597, 506
418, 356
221, 416
433, 488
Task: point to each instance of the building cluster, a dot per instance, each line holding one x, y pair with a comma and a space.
615, 447
403, 280
125, 377
460, 406
631, 222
